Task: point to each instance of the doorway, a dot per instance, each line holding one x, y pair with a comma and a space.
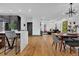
29, 28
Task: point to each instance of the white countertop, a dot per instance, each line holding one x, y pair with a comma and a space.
15, 32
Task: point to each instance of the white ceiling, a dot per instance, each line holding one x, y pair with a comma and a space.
44, 10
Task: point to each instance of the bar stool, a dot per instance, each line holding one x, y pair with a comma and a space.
11, 40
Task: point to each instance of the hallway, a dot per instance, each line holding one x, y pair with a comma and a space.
42, 46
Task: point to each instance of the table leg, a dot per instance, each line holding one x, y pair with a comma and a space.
13, 42
5, 47
16, 47
61, 43
78, 51
70, 49
8, 42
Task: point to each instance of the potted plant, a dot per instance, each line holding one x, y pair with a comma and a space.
12, 26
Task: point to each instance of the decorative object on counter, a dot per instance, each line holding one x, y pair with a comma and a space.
12, 26
9, 19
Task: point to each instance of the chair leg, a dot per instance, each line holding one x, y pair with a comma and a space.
16, 47
70, 49
78, 51
64, 47
5, 48
56, 47
52, 43
60, 47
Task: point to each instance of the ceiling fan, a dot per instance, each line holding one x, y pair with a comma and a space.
71, 11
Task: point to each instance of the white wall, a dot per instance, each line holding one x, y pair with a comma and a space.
35, 24
23, 21
49, 25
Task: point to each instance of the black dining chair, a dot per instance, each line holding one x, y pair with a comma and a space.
66, 40
73, 44
57, 40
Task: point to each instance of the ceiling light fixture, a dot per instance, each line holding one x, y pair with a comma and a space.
10, 10
71, 11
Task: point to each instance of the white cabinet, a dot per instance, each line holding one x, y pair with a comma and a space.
23, 40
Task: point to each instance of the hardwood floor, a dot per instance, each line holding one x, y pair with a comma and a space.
42, 46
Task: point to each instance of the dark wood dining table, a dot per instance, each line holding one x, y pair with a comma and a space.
66, 35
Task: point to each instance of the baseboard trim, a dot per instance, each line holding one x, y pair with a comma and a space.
36, 35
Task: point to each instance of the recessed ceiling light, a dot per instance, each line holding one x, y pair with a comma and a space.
10, 10
29, 10
20, 10
1, 10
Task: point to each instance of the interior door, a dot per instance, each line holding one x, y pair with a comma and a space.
29, 28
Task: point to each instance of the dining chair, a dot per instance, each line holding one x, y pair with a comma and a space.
74, 44
66, 39
11, 40
56, 40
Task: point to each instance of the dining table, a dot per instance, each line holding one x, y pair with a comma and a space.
66, 35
